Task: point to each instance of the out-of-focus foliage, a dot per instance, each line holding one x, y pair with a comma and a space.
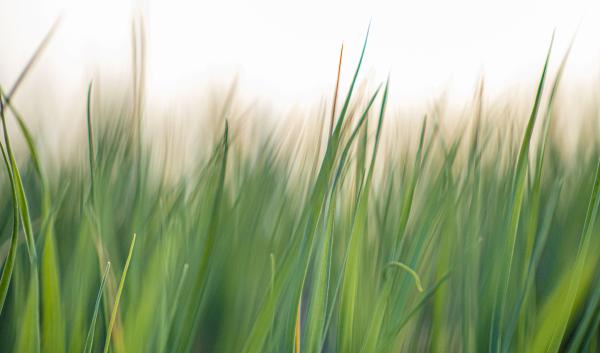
482, 240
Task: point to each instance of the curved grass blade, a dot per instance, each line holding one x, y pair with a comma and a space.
410, 271
7, 270
22, 199
29, 140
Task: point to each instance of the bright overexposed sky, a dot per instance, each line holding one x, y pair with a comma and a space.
286, 52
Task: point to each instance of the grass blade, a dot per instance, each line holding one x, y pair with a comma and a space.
89, 340
115, 309
9, 264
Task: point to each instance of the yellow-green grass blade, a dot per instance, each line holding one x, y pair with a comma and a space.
53, 325
536, 254
115, 308
349, 293
318, 306
28, 334
89, 340
581, 262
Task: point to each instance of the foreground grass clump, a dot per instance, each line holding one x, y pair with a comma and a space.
480, 241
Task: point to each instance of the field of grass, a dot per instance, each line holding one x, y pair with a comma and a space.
332, 240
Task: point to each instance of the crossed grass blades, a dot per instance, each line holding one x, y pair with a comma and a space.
479, 241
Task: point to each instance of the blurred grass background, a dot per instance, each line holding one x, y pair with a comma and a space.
347, 233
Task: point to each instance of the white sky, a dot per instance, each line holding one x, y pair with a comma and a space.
287, 52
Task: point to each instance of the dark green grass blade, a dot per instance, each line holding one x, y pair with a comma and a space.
29, 140
22, 199
344, 109
9, 264
185, 335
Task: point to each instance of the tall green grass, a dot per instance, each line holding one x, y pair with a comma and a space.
482, 240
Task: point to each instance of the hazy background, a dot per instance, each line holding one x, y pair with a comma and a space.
285, 53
